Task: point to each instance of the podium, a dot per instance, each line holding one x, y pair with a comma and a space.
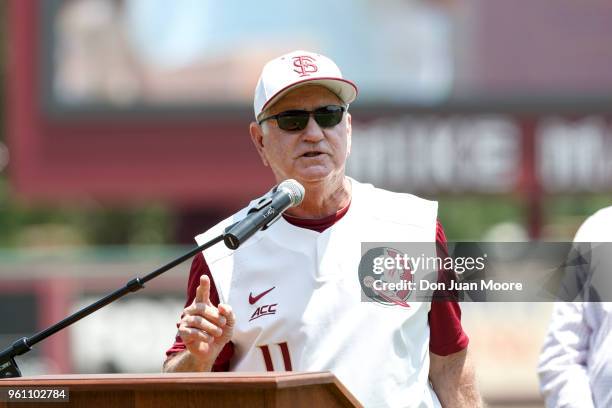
201, 390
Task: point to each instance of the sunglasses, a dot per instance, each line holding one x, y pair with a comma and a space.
294, 120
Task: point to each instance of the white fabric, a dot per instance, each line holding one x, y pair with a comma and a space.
296, 68
575, 366
380, 353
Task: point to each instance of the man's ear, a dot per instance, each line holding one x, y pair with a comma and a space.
257, 137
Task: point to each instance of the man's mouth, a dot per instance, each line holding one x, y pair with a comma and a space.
312, 154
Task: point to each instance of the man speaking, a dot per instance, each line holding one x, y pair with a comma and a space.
293, 288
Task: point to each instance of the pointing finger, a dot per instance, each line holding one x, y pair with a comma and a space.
203, 290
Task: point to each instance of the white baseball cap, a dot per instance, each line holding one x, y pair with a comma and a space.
295, 69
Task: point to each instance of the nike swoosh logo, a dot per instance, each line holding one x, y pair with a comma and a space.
254, 299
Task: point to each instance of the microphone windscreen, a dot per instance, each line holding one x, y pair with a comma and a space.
294, 189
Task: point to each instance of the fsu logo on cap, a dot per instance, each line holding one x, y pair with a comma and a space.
305, 65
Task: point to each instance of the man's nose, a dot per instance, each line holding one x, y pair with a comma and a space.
312, 132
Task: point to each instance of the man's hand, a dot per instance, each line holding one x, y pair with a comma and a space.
453, 380
204, 329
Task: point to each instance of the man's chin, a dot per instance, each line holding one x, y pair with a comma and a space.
313, 175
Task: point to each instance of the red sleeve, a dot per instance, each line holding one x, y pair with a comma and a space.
199, 268
446, 333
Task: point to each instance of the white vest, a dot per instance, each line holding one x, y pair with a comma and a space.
314, 319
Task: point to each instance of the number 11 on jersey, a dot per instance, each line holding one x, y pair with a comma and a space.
284, 349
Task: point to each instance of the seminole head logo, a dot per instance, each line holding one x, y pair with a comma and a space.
385, 276
304, 65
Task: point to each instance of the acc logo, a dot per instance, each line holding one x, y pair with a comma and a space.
263, 311
305, 65
372, 284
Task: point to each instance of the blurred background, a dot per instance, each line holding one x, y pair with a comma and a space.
125, 133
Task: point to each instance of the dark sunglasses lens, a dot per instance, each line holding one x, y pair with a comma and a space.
293, 121
328, 116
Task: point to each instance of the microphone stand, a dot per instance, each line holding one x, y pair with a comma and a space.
8, 366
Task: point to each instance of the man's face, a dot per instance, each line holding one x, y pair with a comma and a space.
311, 155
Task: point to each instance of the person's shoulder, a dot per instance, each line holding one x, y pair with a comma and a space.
603, 214
386, 203
381, 193
596, 228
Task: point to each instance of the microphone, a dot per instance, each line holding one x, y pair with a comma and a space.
268, 209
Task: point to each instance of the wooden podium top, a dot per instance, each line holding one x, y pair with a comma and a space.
273, 380
232, 382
